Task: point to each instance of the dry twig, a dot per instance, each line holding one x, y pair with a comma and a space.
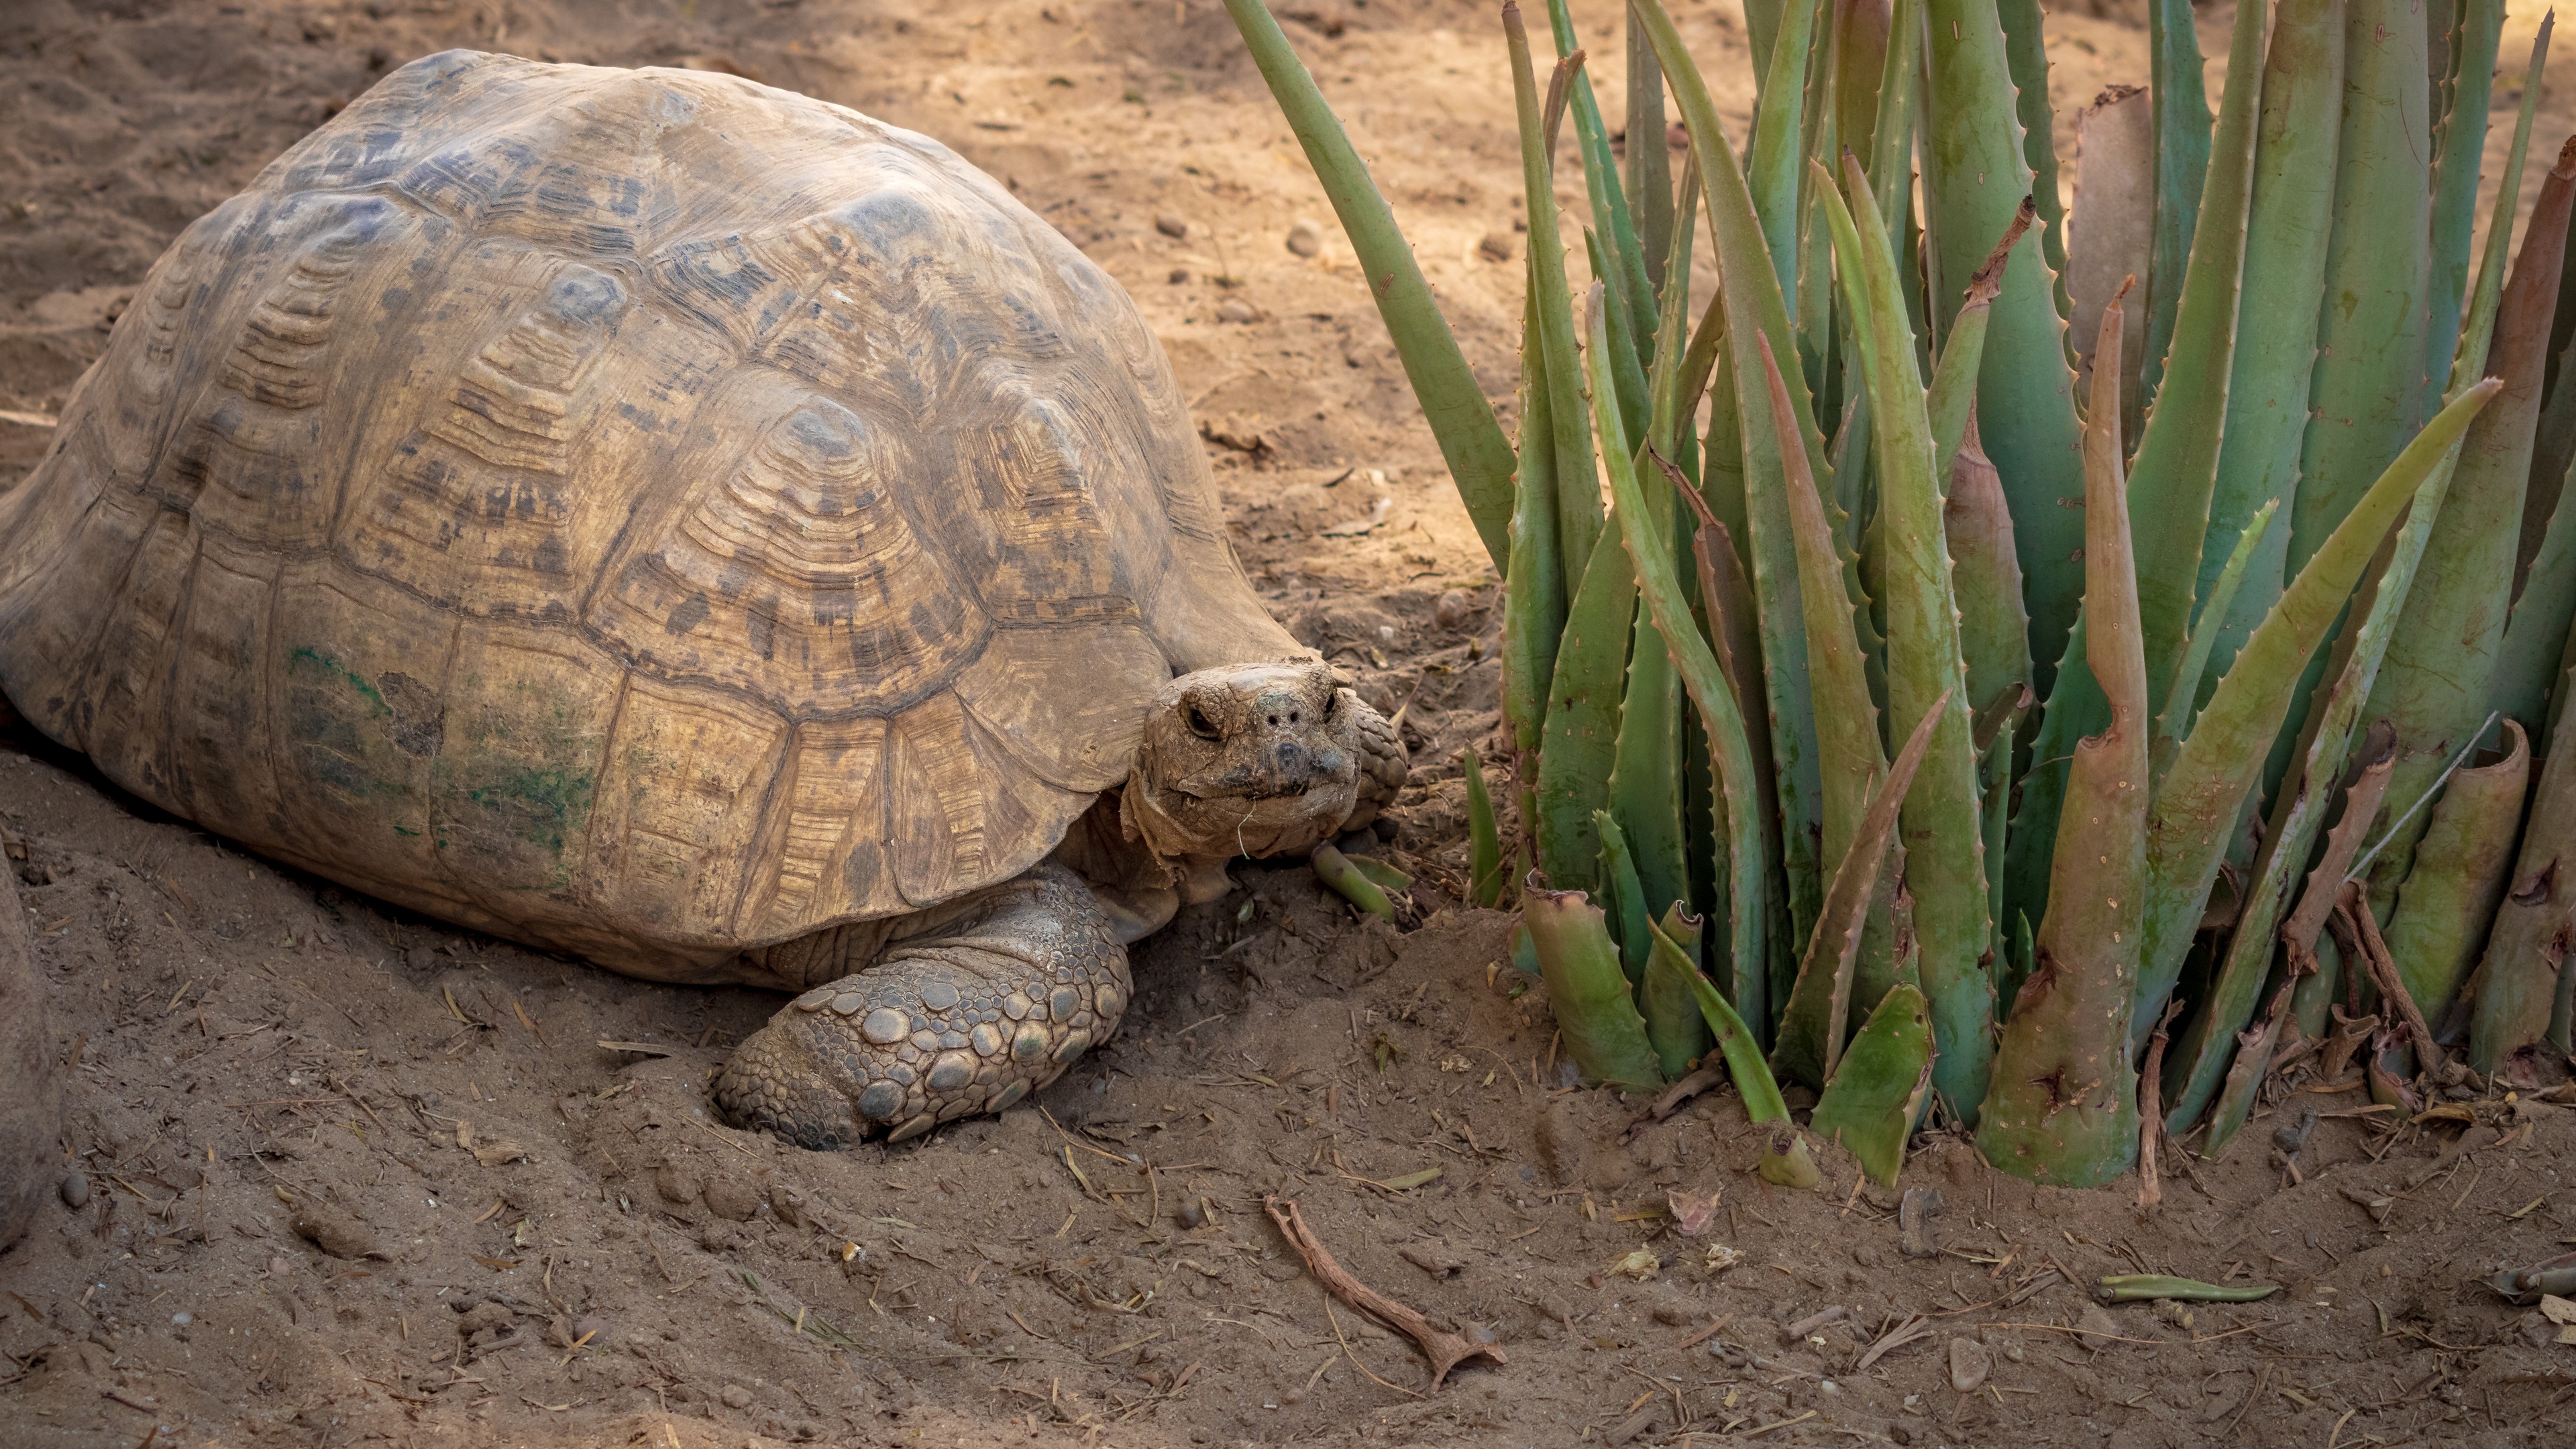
1445, 1350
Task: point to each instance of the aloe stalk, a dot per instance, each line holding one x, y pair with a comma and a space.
1667, 997
1944, 848
1471, 442
2064, 1105
1587, 989
1877, 1092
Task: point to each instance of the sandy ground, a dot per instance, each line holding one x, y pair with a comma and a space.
347, 1174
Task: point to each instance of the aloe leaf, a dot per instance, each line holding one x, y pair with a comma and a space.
2536, 634
1811, 1029
1623, 899
1779, 153
2459, 145
1626, 370
1650, 162
1923, 661
1891, 136
1861, 43
1550, 313
2182, 164
1646, 778
1625, 274
1670, 1002
1761, 29
1581, 743
1534, 591
2026, 59
1751, 888
1485, 842
1847, 733
2449, 900
2200, 798
1953, 395
2177, 460
1974, 179
2369, 389
2442, 660
1588, 990
2064, 1106
1876, 1094
1785, 1159
2184, 693
1480, 461
1754, 308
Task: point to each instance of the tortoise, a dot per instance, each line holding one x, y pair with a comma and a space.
652, 516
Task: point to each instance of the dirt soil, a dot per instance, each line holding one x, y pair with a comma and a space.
335, 1173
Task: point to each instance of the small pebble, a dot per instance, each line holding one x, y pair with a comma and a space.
1235, 309
1305, 238
592, 1326
75, 1190
2013, 1352
1829, 1389
1190, 1216
1179, 276
1293, 1396
735, 1396
182, 1320
1452, 609
1497, 246
1172, 224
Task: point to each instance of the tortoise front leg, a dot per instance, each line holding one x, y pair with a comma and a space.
966, 1016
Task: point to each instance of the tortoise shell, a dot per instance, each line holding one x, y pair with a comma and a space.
642, 513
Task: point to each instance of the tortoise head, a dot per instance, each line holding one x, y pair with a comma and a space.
1247, 759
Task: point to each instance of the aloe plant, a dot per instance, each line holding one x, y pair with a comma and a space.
2129, 665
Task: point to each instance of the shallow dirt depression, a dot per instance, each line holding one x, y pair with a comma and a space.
344, 1174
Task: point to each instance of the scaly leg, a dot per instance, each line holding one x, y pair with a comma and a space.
994, 997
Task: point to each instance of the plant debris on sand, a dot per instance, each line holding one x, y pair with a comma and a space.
337, 1174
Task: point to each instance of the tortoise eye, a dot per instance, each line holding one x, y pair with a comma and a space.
1200, 724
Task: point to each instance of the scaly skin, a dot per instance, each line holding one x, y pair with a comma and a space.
968, 1017
973, 1004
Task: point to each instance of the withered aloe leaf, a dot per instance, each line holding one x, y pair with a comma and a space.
2516, 986
1877, 1090
2449, 901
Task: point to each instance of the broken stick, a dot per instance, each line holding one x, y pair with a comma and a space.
1445, 1350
